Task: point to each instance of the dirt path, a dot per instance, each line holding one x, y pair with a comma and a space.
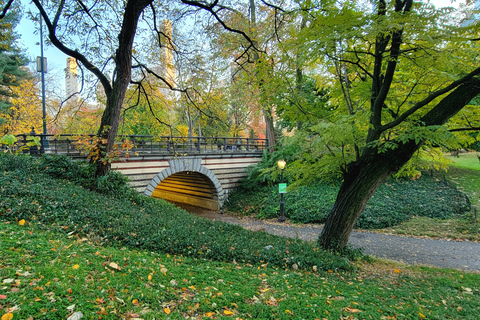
463, 255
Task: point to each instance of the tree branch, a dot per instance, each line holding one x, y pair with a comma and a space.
210, 8
5, 9
73, 53
429, 99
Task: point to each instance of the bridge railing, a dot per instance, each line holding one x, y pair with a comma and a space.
143, 145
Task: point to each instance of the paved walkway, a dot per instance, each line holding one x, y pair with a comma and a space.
439, 253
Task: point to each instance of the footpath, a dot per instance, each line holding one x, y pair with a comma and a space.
464, 255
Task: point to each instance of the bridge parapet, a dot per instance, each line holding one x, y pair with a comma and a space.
68, 144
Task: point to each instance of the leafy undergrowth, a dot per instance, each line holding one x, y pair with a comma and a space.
47, 274
28, 192
394, 202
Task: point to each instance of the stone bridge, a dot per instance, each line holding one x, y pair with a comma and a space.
194, 170
199, 180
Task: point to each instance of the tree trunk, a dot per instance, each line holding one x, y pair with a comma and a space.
111, 116
364, 176
360, 182
269, 130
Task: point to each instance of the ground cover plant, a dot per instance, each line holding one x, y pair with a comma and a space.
49, 274
28, 192
464, 172
394, 202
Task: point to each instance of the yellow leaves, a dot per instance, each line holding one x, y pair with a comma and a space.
422, 316
135, 302
352, 310
75, 267
210, 314
7, 316
21, 222
397, 271
288, 312
228, 313
149, 277
166, 310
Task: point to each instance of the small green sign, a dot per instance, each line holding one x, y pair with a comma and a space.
282, 188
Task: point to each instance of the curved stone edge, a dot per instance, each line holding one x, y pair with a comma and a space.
177, 165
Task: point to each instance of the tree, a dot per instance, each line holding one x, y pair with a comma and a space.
398, 73
24, 111
12, 61
101, 36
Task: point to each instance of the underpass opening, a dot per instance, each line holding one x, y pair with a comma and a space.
188, 187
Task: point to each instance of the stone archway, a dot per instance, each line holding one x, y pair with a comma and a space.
179, 184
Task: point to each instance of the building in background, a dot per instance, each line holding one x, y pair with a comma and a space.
71, 81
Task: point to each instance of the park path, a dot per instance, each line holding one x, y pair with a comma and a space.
464, 255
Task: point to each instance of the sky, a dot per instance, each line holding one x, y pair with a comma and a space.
56, 60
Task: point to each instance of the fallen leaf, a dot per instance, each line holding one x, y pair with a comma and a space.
421, 315
114, 266
149, 277
352, 310
163, 270
210, 314
21, 222
166, 310
228, 313
75, 267
3, 296
397, 271
7, 316
76, 316
135, 302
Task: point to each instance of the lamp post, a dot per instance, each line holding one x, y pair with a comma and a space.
281, 189
42, 69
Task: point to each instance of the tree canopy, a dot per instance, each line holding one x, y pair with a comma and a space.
12, 62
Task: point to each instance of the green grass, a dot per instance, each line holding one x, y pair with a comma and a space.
47, 274
466, 161
465, 173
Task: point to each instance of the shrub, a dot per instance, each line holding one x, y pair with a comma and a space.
145, 223
394, 202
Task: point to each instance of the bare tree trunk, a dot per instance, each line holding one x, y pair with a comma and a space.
360, 183
267, 112
111, 116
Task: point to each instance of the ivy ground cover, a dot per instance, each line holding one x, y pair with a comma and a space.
47, 274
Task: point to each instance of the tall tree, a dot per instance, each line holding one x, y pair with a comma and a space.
11, 61
399, 73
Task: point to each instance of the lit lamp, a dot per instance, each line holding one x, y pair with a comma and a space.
281, 189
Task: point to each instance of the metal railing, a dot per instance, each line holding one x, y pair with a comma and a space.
145, 145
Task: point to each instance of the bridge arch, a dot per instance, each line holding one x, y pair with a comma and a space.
187, 181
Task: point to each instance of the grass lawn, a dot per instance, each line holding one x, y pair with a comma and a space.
46, 274
465, 173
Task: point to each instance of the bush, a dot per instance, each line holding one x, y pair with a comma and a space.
393, 203
83, 173
143, 223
